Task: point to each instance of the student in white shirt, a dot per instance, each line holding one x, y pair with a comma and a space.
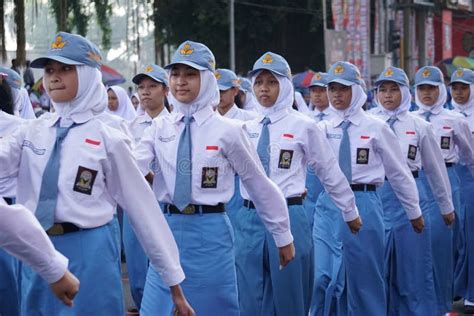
72, 171
454, 138
286, 142
409, 281
197, 160
120, 104
350, 269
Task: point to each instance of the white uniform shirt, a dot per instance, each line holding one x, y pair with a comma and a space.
22, 236
141, 122
239, 114
470, 120
220, 148
97, 171
329, 114
115, 122
420, 148
454, 136
8, 124
296, 142
374, 156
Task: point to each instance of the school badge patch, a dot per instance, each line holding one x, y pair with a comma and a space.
459, 73
389, 72
284, 162
362, 156
85, 179
412, 149
339, 70
186, 50
267, 59
426, 73
58, 43
445, 142
209, 177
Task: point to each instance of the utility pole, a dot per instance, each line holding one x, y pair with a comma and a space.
232, 35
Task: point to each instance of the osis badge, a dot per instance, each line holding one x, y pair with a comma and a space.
284, 162
362, 156
209, 177
445, 142
85, 179
412, 149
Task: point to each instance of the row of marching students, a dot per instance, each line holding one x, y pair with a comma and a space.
269, 258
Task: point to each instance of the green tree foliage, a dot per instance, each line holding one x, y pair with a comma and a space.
292, 28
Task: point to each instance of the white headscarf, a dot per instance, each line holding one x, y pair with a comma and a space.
285, 98
250, 101
404, 106
24, 106
357, 101
91, 96
470, 102
443, 95
208, 95
125, 107
140, 110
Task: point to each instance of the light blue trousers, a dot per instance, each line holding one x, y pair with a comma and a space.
314, 188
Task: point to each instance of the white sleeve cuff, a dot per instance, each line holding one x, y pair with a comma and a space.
283, 239
350, 215
171, 278
414, 213
55, 270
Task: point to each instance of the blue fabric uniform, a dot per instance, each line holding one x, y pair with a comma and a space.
9, 295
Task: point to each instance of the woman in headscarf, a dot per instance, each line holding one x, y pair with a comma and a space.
120, 104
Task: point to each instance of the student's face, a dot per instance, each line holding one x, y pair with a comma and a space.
389, 95
227, 97
151, 93
61, 81
185, 83
340, 95
135, 102
319, 97
460, 92
113, 100
427, 94
266, 88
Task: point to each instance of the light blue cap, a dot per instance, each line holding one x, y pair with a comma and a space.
272, 62
429, 75
393, 74
154, 72
195, 55
319, 79
344, 73
12, 78
245, 84
71, 49
462, 75
226, 79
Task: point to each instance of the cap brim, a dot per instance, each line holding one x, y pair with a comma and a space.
378, 82
254, 71
42, 61
318, 85
139, 77
343, 82
461, 81
224, 87
428, 82
187, 63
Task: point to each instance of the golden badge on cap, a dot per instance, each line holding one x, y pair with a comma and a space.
317, 76
459, 73
186, 50
149, 69
58, 43
218, 75
95, 57
389, 72
426, 73
267, 59
339, 69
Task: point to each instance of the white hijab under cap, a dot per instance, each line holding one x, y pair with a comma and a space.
140, 110
125, 108
404, 106
470, 102
285, 98
443, 95
208, 95
91, 96
357, 101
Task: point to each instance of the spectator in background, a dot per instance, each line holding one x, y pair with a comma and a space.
28, 77
15, 65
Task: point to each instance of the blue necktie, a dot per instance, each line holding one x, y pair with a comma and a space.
48, 197
182, 188
345, 161
463, 113
427, 116
320, 116
391, 121
263, 144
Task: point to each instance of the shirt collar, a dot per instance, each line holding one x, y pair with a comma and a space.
355, 118
232, 112
199, 116
275, 116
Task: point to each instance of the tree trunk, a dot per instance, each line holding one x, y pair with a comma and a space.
3, 47
156, 33
20, 32
63, 7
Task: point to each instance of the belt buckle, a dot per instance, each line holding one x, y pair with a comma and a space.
189, 210
56, 230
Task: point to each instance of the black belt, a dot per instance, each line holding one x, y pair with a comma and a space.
415, 174
195, 209
8, 200
63, 228
449, 164
363, 187
296, 200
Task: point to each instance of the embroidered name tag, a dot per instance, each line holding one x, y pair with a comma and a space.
334, 136
253, 135
209, 177
85, 179
445, 142
284, 162
30, 145
412, 149
362, 156
166, 139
